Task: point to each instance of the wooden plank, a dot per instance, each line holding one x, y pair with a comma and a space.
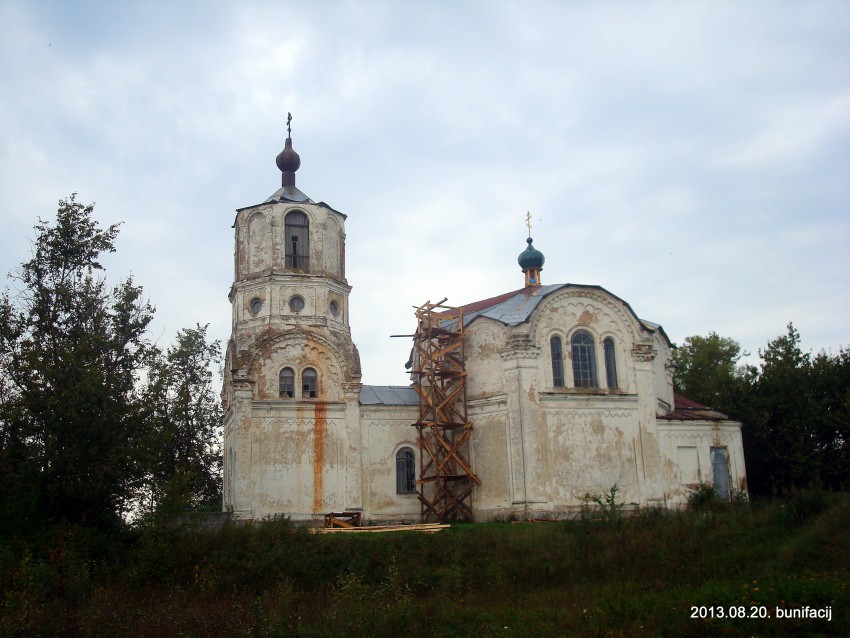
429, 528
342, 519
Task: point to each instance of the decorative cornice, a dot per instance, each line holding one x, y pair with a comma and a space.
713, 435
520, 346
295, 334
387, 423
585, 412
576, 295
404, 414
352, 389
643, 352
292, 405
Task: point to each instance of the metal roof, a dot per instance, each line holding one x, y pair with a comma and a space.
513, 308
684, 409
388, 395
289, 194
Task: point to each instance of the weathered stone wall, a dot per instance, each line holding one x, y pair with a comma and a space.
387, 429
686, 449
538, 448
299, 456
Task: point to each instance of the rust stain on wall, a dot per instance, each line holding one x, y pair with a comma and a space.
319, 431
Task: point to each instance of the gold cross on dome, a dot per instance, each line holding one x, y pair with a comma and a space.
528, 221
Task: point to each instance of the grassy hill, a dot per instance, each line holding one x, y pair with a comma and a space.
602, 576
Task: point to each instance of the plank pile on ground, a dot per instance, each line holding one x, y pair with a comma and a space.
428, 528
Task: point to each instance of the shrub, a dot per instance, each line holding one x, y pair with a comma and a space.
703, 498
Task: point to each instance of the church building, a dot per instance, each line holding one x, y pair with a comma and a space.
568, 392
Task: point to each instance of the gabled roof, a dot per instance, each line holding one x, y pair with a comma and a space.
514, 308
388, 395
684, 409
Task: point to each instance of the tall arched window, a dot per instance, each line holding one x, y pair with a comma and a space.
610, 363
297, 240
584, 361
309, 380
405, 471
286, 382
557, 362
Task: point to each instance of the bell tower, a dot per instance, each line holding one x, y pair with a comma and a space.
292, 376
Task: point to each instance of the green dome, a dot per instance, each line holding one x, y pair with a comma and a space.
530, 257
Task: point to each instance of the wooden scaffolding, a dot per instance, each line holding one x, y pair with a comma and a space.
446, 480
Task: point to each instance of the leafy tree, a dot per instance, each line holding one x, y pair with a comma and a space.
796, 432
829, 379
778, 436
185, 468
795, 408
707, 371
71, 350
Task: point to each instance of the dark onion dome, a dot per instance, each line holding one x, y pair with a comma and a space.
530, 257
288, 162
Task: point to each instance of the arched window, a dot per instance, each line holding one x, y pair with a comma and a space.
610, 363
584, 361
309, 380
286, 381
297, 240
405, 471
557, 362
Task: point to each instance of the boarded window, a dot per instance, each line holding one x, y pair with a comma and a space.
688, 465
297, 241
405, 471
720, 472
584, 361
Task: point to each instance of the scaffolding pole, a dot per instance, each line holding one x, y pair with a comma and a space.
446, 480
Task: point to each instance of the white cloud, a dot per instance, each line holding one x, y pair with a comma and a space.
692, 158
797, 133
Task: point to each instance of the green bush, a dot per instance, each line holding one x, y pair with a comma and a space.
703, 498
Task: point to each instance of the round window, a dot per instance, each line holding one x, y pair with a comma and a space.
334, 308
256, 305
296, 304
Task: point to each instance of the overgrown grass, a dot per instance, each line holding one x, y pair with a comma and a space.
593, 577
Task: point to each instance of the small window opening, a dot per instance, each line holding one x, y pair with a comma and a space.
610, 363
296, 304
309, 380
557, 362
405, 471
584, 361
287, 382
297, 243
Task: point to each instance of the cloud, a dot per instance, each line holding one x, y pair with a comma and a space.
798, 133
692, 157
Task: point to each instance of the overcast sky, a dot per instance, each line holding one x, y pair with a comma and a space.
692, 158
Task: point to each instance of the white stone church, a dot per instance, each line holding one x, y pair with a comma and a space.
569, 392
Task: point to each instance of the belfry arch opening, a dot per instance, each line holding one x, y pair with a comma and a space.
297, 240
